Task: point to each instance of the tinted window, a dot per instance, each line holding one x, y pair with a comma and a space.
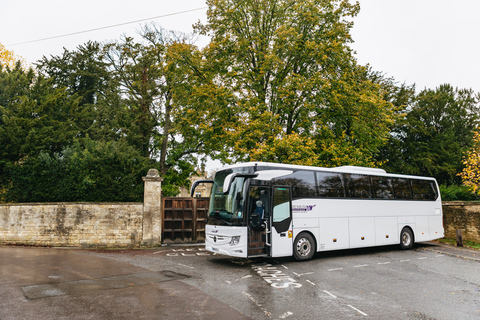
382, 188
330, 185
302, 182
401, 188
357, 186
424, 190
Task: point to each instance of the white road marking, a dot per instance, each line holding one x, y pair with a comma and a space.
422, 258
336, 269
285, 267
331, 295
313, 284
405, 260
245, 277
286, 314
359, 311
440, 255
185, 266
384, 262
361, 265
302, 274
257, 304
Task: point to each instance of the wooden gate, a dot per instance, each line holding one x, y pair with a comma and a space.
184, 219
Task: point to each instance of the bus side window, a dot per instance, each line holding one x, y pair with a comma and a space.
358, 186
382, 188
330, 185
401, 188
302, 183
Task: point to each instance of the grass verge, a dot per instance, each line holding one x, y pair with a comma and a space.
468, 244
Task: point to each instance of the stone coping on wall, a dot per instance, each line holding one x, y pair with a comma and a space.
69, 203
460, 203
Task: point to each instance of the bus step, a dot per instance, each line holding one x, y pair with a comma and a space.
258, 255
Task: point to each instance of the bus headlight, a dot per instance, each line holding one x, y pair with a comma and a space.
235, 240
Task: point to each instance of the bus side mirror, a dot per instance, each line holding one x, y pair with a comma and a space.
196, 183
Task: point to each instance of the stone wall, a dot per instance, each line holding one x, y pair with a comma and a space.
86, 224
72, 224
464, 216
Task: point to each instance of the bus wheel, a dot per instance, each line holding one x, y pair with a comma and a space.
406, 238
303, 247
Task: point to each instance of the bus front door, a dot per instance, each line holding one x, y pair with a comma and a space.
281, 231
258, 220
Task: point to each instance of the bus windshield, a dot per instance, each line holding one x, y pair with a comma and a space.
227, 209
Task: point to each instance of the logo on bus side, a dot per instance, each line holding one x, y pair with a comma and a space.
303, 208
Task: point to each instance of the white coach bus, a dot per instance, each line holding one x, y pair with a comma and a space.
278, 210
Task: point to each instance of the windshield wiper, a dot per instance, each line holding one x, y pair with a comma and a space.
225, 221
221, 219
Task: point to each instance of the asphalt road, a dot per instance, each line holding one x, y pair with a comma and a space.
430, 282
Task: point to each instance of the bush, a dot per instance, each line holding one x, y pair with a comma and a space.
87, 171
457, 193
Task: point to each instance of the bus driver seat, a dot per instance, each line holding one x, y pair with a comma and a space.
257, 216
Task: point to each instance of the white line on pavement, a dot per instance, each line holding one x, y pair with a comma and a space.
331, 295
359, 311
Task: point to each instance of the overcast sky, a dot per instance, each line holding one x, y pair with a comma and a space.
426, 42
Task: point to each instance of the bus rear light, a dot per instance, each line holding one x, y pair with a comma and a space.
363, 238
334, 240
386, 236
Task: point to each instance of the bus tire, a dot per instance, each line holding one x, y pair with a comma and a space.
406, 238
304, 247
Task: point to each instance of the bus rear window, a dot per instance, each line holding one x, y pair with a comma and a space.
424, 190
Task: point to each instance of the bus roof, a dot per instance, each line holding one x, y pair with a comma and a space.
341, 169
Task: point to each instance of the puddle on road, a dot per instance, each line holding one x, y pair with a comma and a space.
90, 285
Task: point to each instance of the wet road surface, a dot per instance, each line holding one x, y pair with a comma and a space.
430, 282
51, 283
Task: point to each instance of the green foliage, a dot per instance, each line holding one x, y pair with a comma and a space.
278, 83
35, 116
432, 137
283, 71
91, 101
87, 171
457, 193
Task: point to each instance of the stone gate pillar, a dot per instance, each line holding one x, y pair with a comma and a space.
152, 209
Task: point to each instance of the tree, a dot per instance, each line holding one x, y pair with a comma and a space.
87, 170
84, 75
435, 133
8, 59
471, 172
152, 76
285, 72
35, 117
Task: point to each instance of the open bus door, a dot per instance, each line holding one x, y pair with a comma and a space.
281, 231
258, 221
270, 222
